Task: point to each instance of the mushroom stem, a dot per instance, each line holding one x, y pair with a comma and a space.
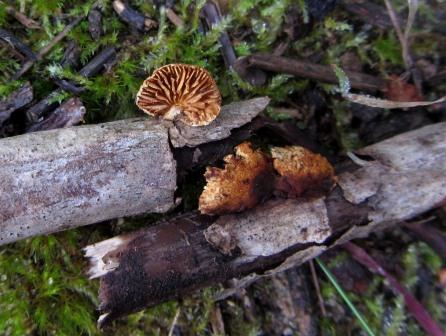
172, 113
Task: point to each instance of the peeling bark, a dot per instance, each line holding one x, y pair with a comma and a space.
404, 178
231, 116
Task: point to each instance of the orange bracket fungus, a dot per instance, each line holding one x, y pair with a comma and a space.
181, 92
251, 177
301, 170
243, 183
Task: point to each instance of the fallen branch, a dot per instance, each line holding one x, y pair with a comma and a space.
132, 17
404, 178
22, 18
309, 70
38, 110
68, 114
65, 178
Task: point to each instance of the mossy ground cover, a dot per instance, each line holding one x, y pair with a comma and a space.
43, 290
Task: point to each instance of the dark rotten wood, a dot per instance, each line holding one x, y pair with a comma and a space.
145, 267
306, 69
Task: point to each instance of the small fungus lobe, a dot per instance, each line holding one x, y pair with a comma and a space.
301, 170
246, 180
250, 177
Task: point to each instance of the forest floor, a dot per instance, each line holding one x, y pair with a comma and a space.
43, 287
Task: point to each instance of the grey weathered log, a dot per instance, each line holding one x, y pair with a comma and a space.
404, 178
65, 178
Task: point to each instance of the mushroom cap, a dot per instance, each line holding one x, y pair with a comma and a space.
180, 91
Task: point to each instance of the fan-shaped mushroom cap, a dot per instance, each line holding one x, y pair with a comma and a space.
180, 91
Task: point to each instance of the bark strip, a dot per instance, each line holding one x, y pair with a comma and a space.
405, 177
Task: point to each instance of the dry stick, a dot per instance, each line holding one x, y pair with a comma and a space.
318, 288
144, 268
133, 17
174, 18
68, 114
17, 44
212, 16
93, 67
314, 71
22, 18
42, 52
174, 322
404, 40
369, 12
65, 178
412, 304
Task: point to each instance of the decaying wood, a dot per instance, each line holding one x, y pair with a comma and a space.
308, 70
211, 13
65, 178
15, 101
133, 17
370, 13
404, 177
22, 18
68, 114
38, 110
16, 43
46, 49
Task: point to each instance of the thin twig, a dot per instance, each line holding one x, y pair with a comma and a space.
318, 288
174, 18
22, 18
28, 64
174, 322
14, 42
404, 37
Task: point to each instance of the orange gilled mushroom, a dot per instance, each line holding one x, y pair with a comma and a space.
180, 92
